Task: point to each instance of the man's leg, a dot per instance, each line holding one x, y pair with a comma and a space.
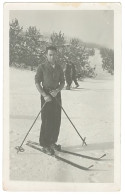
47, 125
75, 81
69, 81
57, 118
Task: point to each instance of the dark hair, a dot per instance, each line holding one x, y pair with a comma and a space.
52, 48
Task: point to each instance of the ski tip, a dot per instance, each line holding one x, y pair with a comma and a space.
102, 156
90, 166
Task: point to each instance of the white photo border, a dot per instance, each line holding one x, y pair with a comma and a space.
43, 186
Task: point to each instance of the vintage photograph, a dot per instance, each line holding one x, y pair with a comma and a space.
61, 94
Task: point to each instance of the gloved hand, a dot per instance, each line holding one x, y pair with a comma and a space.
54, 93
47, 98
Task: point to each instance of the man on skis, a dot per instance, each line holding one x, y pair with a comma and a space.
49, 80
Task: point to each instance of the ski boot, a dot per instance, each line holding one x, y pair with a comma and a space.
56, 147
49, 151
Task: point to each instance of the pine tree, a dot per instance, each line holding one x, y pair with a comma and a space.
58, 40
107, 59
14, 41
32, 47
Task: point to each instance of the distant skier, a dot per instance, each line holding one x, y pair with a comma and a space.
74, 78
70, 75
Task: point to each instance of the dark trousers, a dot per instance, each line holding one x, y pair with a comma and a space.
69, 81
75, 80
51, 120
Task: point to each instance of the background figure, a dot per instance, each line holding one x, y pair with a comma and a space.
74, 78
70, 75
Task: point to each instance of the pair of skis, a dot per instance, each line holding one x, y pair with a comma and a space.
36, 146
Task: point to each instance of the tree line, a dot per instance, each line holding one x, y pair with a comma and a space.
27, 49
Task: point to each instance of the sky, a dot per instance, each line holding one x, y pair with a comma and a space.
93, 26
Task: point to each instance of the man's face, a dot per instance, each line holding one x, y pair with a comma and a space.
51, 56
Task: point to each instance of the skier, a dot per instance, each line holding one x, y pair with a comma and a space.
51, 76
70, 75
74, 78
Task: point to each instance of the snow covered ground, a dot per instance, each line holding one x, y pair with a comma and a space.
90, 107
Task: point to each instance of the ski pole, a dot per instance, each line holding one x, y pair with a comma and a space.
20, 148
83, 139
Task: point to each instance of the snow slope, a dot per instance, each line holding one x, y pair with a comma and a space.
90, 108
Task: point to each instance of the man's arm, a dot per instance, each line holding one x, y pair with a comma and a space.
40, 89
46, 97
62, 80
61, 85
56, 91
38, 80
